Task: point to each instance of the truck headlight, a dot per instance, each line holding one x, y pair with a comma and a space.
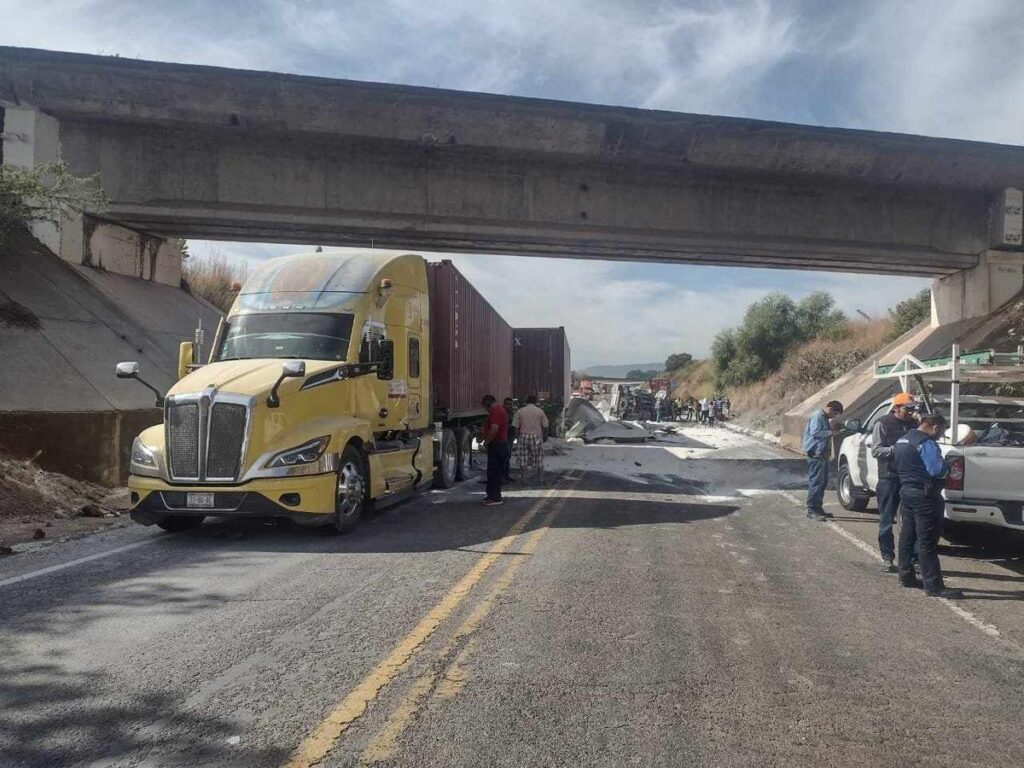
306, 453
143, 460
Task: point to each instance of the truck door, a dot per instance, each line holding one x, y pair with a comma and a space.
415, 382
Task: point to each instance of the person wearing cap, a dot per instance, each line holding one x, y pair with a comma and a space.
886, 432
922, 473
817, 447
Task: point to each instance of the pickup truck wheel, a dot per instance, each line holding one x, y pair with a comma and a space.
464, 444
350, 497
177, 523
447, 460
848, 496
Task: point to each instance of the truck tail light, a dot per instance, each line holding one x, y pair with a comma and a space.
955, 478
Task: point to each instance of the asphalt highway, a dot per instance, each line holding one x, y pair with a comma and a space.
657, 605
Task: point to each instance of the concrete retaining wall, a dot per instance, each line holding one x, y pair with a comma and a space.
63, 328
82, 321
89, 445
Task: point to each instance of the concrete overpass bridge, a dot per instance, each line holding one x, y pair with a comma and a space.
228, 154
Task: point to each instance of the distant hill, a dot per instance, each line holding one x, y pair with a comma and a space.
620, 371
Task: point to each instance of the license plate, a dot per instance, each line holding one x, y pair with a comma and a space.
200, 501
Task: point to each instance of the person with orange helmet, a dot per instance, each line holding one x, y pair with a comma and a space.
886, 432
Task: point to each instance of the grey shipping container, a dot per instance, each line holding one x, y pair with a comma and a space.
541, 364
471, 345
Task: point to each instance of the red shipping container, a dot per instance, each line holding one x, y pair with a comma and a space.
541, 365
471, 345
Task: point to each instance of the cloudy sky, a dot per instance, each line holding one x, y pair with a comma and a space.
935, 67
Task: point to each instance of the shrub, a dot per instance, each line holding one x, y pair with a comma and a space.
40, 194
677, 361
820, 365
214, 278
911, 312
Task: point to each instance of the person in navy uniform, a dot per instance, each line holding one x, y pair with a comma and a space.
922, 473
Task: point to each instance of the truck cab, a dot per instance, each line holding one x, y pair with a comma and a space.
313, 403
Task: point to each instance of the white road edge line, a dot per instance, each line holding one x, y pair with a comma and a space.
963, 613
73, 563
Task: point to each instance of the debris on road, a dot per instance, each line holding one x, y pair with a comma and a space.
589, 424
581, 416
32, 500
617, 432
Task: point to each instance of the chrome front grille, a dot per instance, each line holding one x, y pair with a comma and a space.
183, 440
206, 436
227, 433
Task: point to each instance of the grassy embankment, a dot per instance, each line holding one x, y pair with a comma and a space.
807, 368
214, 278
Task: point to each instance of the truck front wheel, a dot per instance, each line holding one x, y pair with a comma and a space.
848, 496
350, 498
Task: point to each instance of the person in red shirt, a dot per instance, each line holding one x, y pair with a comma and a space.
495, 437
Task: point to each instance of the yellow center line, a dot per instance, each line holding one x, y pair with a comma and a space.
451, 681
319, 743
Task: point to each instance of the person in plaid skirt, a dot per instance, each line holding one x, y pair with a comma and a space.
531, 423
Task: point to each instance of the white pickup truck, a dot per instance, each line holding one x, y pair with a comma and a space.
986, 481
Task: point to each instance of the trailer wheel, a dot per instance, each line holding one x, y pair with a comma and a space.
178, 523
447, 460
350, 497
848, 496
464, 443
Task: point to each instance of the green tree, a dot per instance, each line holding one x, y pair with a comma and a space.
40, 194
771, 327
640, 375
816, 316
910, 312
677, 361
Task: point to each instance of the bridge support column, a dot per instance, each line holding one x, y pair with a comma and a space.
32, 139
980, 291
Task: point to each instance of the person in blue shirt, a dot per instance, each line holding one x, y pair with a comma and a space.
817, 446
922, 473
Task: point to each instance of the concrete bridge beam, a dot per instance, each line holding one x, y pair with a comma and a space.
32, 139
980, 291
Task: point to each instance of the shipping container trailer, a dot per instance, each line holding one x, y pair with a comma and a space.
541, 365
472, 346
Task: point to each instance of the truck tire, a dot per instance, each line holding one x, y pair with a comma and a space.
178, 523
849, 498
351, 492
464, 445
447, 460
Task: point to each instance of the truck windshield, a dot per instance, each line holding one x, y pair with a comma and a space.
305, 335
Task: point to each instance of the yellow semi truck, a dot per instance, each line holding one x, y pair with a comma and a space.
335, 382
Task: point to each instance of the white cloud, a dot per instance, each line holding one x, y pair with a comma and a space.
941, 68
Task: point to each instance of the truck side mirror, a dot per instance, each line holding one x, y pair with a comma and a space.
186, 358
131, 371
293, 369
852, 425
386, 361
127, 370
